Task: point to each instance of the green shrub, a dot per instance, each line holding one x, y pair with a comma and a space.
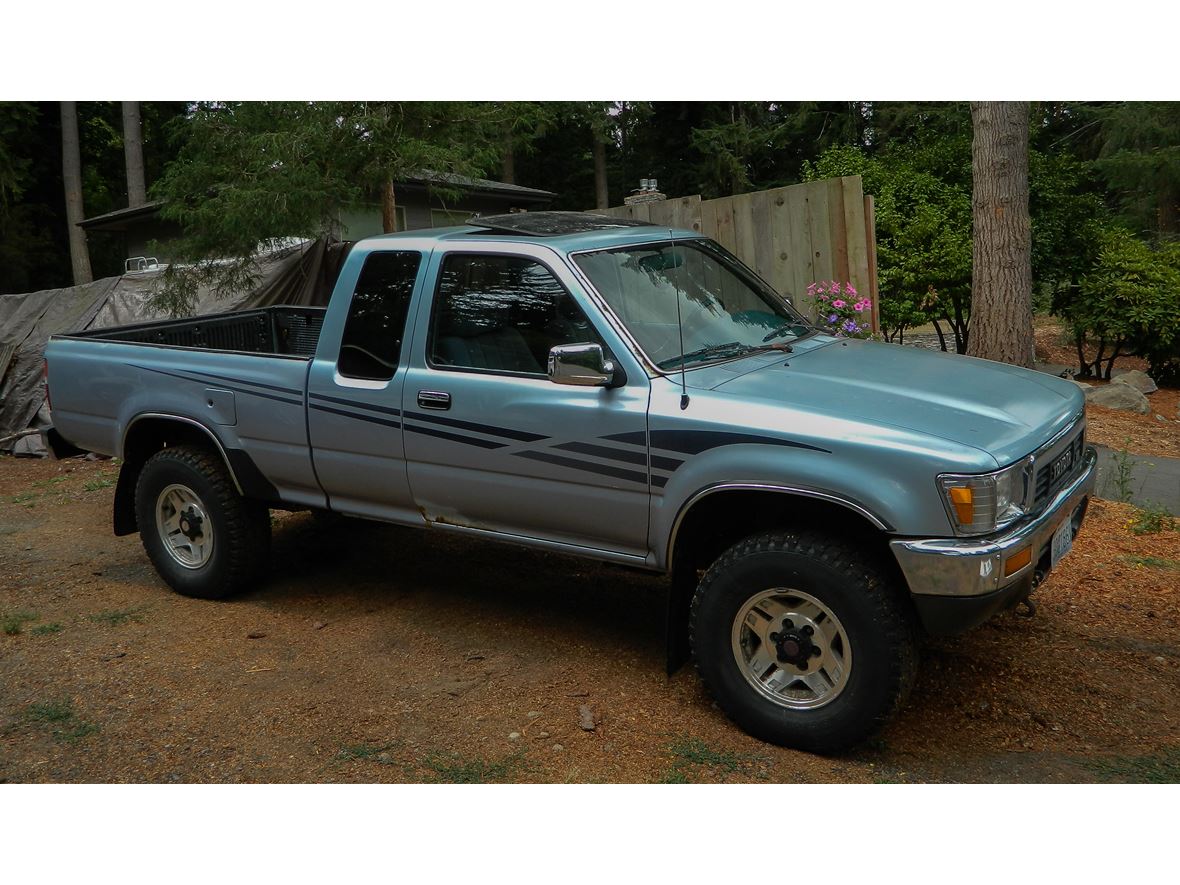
1126, 305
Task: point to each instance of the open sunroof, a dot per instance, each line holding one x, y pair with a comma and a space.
553, 224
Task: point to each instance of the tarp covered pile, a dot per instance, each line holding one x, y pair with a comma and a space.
301, 274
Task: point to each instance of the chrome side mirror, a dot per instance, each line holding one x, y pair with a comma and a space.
582, 365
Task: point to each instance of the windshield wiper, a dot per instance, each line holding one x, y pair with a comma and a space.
787, 328
713, 351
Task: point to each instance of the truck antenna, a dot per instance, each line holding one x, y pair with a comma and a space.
679, 328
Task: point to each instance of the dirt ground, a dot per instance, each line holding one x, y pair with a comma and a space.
381, 654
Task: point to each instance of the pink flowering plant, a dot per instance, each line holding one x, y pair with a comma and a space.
840, 309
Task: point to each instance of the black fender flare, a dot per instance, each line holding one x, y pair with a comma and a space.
249, 481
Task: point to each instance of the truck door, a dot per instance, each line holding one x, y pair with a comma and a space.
354, 390
491, 443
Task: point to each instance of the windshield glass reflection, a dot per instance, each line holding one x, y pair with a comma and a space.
722, 313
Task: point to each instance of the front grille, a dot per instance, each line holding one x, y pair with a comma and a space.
1066, 461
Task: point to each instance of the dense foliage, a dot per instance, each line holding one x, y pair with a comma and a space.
1127, 305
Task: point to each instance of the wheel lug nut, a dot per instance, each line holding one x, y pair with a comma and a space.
788, 624
815, 651
802, 665
773, 637
807, 631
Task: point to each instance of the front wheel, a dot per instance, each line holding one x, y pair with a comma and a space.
802, 641
204, 539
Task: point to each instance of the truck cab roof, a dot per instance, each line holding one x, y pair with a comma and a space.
565, 232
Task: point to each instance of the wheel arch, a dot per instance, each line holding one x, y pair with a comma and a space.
146, 434
717, 517
760, 502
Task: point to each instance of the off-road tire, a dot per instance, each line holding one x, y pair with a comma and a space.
876, 616
241, 528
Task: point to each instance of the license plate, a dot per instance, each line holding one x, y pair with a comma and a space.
1062, 542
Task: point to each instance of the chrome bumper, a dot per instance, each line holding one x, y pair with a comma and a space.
966, 567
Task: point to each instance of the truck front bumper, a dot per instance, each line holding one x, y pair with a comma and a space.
958, 583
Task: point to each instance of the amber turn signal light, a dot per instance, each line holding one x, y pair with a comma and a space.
1017, 561
963, 499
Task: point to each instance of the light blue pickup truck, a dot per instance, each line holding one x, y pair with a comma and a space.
617, 391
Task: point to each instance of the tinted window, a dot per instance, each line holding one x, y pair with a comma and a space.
376, 323
502, 314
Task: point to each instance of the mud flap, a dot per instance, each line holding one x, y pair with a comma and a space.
680, 591
124, 509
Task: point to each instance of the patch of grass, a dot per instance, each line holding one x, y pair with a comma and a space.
61, 714
77, 731
1155, 768
1152, 562
693, 754
52, 711
102, 482
1152, 519
26, 498
457, 770
362, 751
14, 622
696, 752
46, 629
116, 617
52, 481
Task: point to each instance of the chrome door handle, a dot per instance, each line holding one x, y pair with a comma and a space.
434, 399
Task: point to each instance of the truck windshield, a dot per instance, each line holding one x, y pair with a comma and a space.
723, 311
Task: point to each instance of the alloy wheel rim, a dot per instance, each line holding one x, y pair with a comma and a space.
791, 648
184, 526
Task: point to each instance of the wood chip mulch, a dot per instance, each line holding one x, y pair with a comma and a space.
1139, 434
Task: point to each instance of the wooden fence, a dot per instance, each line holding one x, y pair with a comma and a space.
792, 236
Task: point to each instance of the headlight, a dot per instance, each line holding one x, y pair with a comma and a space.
981, 504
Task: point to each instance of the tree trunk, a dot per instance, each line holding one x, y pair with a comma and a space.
1001, 279
1166, 214
601, 197
133, 153
388, 209
941, 337
1083, 364
71, 173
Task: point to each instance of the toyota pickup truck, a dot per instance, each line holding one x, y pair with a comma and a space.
616, 391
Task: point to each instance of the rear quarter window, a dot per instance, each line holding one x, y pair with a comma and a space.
372, 342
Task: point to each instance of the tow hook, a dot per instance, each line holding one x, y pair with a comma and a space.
1026, 608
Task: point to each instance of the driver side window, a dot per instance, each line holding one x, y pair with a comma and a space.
502, 313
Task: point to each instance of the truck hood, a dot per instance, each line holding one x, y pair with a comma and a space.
1003, 410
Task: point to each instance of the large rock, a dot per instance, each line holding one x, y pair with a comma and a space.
1123, 397
1141, 381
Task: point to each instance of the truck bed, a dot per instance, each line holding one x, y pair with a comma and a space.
280, 331
242, 376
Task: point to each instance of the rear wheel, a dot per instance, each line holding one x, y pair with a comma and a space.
204, 539
802, 641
